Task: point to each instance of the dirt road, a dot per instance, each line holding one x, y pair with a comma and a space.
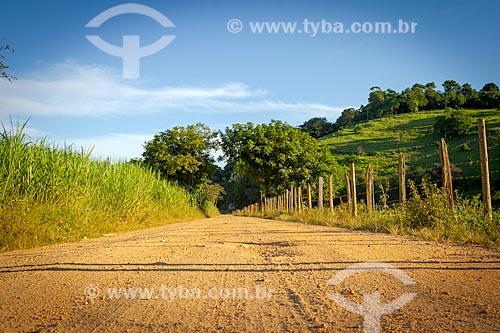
238, 274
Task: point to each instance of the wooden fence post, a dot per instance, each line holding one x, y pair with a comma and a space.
287, 201
320, 193
353, 191
348, 191
299, 199
402, 178
292, 203
446, 174
369, 189
485, 169
309, 197
330, 194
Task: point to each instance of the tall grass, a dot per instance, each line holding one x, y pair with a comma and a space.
51, 194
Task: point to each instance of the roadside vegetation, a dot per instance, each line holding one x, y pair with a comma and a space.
412, 122
424, 216
379, 141
51, 194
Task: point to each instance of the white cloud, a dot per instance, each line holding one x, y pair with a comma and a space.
116, 146
90, 90
71, 89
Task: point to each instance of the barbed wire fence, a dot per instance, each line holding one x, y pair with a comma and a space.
389, 189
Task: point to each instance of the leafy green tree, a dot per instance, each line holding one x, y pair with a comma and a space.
490, 96
391, 102
488, 87
346, 119
317, 127
276, 155
434, 98
453, 97
454, 123
183, 154
471, 95
381, 103
240, 190
376, 103
3, 74
413, 99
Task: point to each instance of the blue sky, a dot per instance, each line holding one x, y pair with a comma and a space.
75, 93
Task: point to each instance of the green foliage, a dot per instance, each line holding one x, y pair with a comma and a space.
453, 96
453, 124
413, 99
425, 207
317, 127
276, 155
387, 103
382, 103
490, 96
472, 98
464, 147
490, 87
50, 194
3, 74
424, 215
240, 190
413, 134
205, 196
358, 129
346, 119
182, 154
433, 97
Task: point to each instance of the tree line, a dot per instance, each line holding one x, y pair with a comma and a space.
259, 159
386, 103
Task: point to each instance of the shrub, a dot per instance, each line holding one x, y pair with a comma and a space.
464, 147
358, 129
427, 207
454, 123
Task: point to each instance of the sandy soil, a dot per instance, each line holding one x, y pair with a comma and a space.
239, 274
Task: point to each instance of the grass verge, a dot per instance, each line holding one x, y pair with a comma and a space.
51, 195
424, 216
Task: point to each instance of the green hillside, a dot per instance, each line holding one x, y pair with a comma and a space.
379, 142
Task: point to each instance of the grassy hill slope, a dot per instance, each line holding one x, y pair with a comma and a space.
379, 142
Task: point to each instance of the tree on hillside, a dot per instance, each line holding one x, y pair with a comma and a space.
182, 154
453, 96
391, 103
490, 96
317, 127
375, 106
3, 74
381, 103
346, 119
276, 155
471, 95
488, 87
433, 97
454, 123
413, 99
